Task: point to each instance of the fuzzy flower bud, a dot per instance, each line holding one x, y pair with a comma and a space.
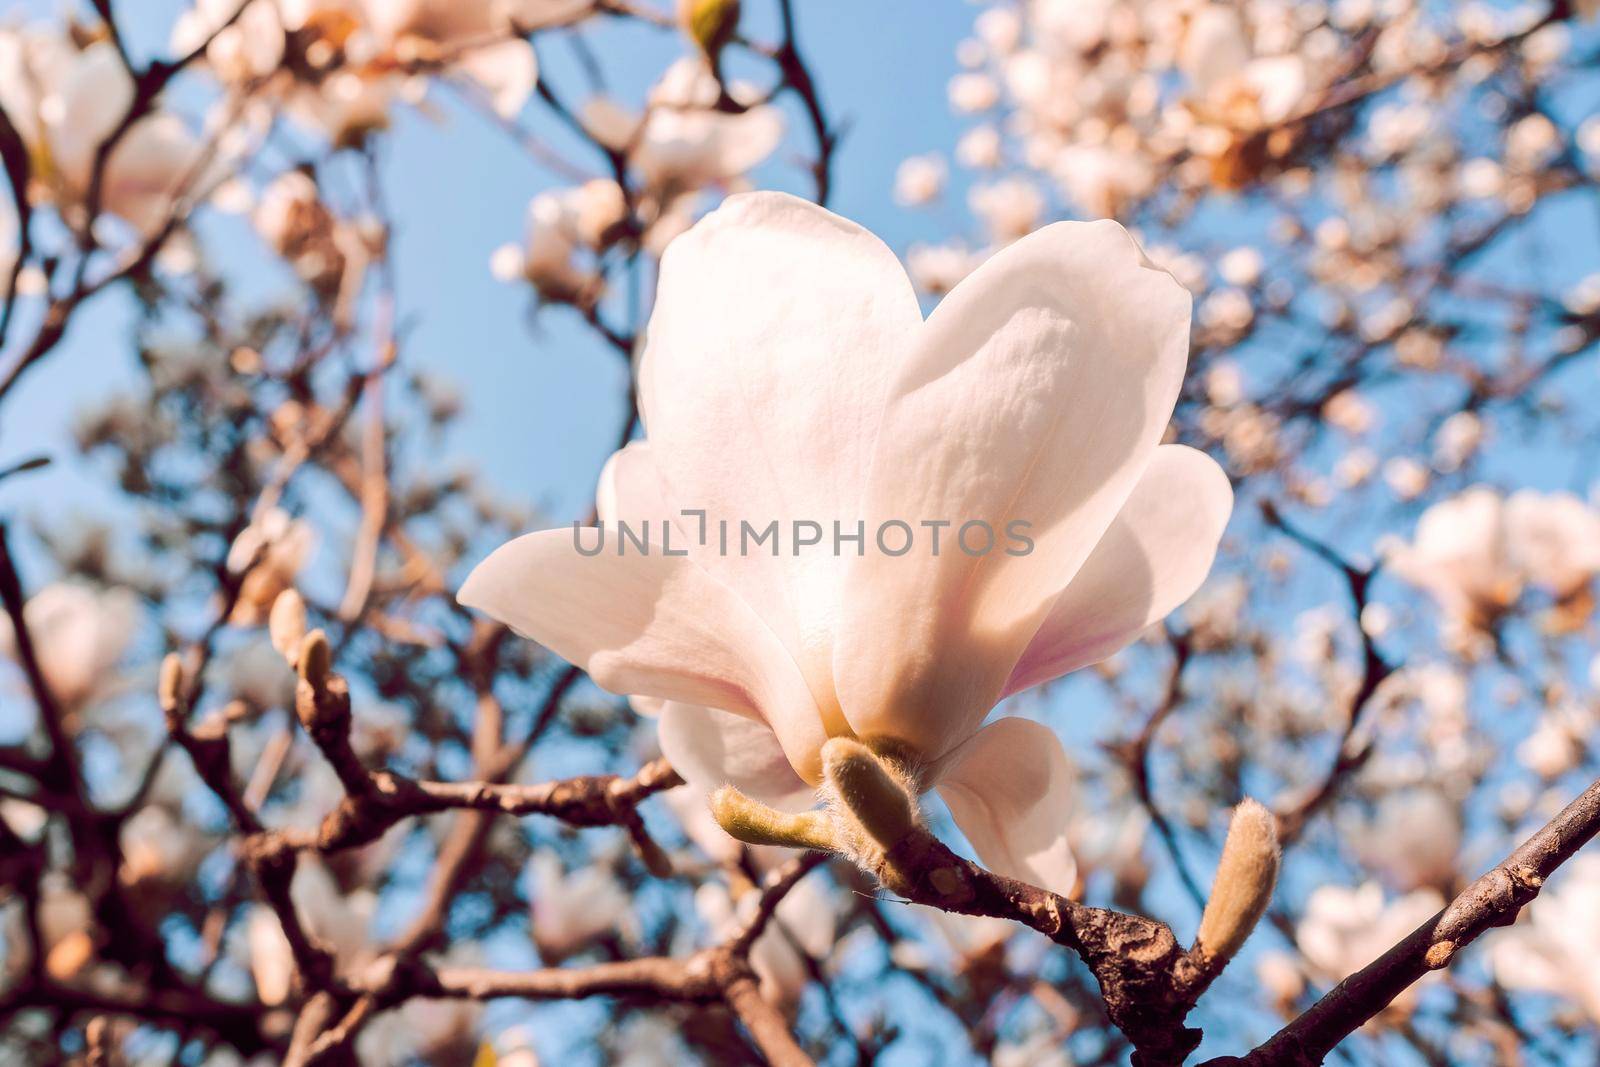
1245, 876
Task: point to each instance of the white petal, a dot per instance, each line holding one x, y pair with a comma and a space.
777, 327
648, 624
1155, 554
507, 70
630, 489
1037, 393
1010, 791
711, 748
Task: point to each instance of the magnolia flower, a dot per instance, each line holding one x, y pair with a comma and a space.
1100, 179
269, 553
1459, 557
970, 940
1552, 947
78, 635
1345, 929
337, 920
65, 100
572, 910
919, 180
158, 850
249, 47
66, 925
1554, 540
1235, 83
683, 143
561, 225
1414, 838
474, 37
1009, 208
329, 253
803, 922
1474, 553
937, 269
789, 376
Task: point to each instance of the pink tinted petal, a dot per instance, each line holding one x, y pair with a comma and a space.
776, 330
507, 70
651, 625
1037, 392
1009, 789
1153, 557
711, 748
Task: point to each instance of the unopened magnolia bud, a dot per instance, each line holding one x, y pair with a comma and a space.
1245, 876
710, 24
286, 625
869, 790
169, 684
755, 823
315, 658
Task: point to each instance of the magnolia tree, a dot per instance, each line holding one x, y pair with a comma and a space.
1151, 620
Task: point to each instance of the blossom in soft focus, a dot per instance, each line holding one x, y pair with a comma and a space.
1475, 552
65, 98
937, 269
920, 180
1554, 540
1414, 838
1344, 929
329, 253
476, 38
567, 229
269, 554
1552, 947
571, 910
789, 375
683, 143
338, 66
803, 925
79, 634
1459, 556
338, 920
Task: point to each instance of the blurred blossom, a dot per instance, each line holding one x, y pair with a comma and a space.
937, 269
79, 634
1413, 839
1349, 411
1552, 948
1044, 1049
1241, 267
1456, 440
803, 925
1224, 383
1406, 478
684, 143
1554, 540
979, 148
1282, 979
567, 230
1344, 929
329, 253
269, 554
973, 92
1460, 557
67, 930
572, 910
65, 96
919, 180
1557, 744
1009, 208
